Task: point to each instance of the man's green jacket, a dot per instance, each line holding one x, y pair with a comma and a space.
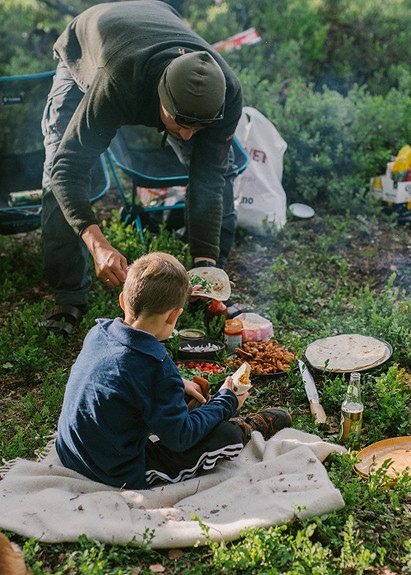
116, 53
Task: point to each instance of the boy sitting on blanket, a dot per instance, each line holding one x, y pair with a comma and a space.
124, 386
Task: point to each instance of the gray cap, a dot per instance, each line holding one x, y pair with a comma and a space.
197, 86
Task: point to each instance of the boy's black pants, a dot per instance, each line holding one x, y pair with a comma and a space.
226, 440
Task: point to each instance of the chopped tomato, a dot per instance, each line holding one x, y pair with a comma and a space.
202, 366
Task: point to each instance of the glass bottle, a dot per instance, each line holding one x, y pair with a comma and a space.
233, 334
351, 412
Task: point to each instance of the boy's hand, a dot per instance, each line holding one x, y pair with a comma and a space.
194, 390
228, 384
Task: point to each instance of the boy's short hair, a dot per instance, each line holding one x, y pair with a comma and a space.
156, 283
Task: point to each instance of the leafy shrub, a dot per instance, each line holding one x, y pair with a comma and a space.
127, 241
336, 144
214, 21
391, 407
284, 550
334, 43
26, 46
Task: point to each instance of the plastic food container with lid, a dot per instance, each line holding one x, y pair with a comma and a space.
191, 334
255, 327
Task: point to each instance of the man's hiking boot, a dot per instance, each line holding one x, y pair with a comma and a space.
267, 422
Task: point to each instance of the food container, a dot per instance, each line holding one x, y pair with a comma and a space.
191, 334
201, 350
233, 334
255, 327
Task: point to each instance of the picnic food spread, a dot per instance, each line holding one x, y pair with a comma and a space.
347, 352
264, 357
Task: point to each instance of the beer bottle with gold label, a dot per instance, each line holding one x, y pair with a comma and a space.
351, 412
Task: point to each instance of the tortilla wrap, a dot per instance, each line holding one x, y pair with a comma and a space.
218, 283
241, 379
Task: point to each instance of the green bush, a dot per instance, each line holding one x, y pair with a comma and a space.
26, 46
338, 43
213, 21
335, 144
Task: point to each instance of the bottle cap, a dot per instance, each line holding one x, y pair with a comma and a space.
233, 327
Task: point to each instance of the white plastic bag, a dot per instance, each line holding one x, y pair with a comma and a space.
260, 199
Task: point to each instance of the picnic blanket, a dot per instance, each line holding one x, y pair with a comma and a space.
269, 483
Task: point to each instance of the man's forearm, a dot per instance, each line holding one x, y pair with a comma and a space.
94, 239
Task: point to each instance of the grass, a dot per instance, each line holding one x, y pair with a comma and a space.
313, 279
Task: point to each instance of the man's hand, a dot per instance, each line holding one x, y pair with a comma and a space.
110, 265
194, 390
228, 384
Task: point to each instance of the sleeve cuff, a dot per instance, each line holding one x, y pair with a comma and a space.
204, 264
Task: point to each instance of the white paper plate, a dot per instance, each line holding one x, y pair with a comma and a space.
301, 210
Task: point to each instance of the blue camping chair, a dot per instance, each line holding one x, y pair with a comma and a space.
22, 152
136, 152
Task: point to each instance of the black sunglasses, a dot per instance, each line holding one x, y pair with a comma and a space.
183, 120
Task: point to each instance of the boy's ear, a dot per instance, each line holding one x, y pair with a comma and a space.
121, 300
174, 315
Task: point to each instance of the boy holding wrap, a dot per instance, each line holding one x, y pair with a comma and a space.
124, 387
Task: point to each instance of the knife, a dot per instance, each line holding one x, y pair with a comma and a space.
310, 389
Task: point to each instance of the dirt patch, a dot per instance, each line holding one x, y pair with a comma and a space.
372, 258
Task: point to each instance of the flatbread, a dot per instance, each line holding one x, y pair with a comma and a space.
219, 283
347, 352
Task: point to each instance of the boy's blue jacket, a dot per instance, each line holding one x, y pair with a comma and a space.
123, 386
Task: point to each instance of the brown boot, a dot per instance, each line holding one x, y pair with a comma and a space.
267, 422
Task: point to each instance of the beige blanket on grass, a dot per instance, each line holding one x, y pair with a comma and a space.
269, 483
